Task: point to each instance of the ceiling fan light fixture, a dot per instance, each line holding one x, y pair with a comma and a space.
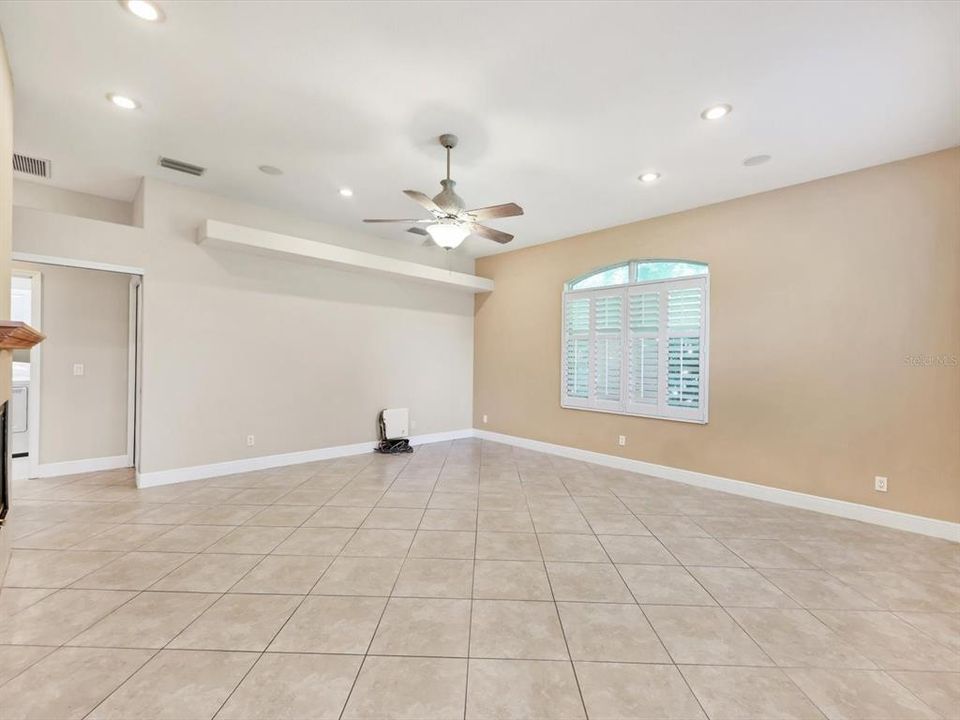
448, 235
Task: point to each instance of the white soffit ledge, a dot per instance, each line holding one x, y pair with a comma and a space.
215, 233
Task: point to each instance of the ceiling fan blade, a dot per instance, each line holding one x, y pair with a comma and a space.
495, 211
422, 200
489, 233
418, 231
403, 220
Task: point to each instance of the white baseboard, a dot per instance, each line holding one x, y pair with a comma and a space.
841, 508
830, 506
265, 462
72, 467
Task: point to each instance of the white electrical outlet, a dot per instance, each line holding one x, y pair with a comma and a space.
251, 441
484, 419
880, 483
622, 440
78, 369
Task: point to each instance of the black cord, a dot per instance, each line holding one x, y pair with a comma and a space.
391, 447
394, 447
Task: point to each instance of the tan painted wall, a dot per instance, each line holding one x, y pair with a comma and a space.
819, 292
85, 316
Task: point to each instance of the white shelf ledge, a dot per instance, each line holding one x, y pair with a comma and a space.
214, 233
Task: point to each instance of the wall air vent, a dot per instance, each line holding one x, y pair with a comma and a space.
181, 166
31, 166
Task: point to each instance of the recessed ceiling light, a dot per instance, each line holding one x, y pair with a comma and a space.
346, 192
122, 101
756, 160
270, 170
144, 9
715, 112
649, 177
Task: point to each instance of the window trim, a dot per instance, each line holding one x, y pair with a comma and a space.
678, 414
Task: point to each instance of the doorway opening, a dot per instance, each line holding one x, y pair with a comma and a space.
75, 397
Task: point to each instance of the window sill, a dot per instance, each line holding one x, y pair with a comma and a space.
648, 416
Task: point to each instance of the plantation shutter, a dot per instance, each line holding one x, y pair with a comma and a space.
684, 338
643, 345
576, 351
608, 350
639, 349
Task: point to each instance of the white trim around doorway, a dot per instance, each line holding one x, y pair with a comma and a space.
36, 360
134, 366
72, 262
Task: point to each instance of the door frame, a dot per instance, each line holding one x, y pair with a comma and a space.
134, 369
134, 354
36, 363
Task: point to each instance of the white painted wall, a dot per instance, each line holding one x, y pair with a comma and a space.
69, 202
302, 357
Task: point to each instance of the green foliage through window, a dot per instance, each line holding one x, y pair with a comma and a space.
667, 270
637, 271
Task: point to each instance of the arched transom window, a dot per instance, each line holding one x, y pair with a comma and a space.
635, 340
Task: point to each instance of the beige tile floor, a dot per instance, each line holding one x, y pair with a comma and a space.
466, 580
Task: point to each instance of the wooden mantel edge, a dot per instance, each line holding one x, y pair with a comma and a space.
16, 335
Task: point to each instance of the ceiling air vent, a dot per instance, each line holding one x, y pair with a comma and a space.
181, 166
31, 166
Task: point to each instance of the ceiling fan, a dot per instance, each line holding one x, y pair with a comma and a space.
452, 222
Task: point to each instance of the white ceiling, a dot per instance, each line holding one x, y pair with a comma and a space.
558, 105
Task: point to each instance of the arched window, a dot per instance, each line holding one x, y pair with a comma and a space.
635, 340
637, 271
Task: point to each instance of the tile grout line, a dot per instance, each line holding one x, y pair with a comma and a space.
494, 657
725, 610
728, 614
653, 628
556, 607
97, 506
473, 580
189, 624
697, 580
303, 599
159, 650
373, 636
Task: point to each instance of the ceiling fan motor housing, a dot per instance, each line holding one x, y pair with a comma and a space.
448, 200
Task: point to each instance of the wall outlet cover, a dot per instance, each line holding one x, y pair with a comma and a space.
622, 440
880, 483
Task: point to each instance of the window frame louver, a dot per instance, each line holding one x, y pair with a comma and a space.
595, 335
576, 400
631, 404
627, 404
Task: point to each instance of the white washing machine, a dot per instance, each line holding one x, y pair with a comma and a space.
19, 415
